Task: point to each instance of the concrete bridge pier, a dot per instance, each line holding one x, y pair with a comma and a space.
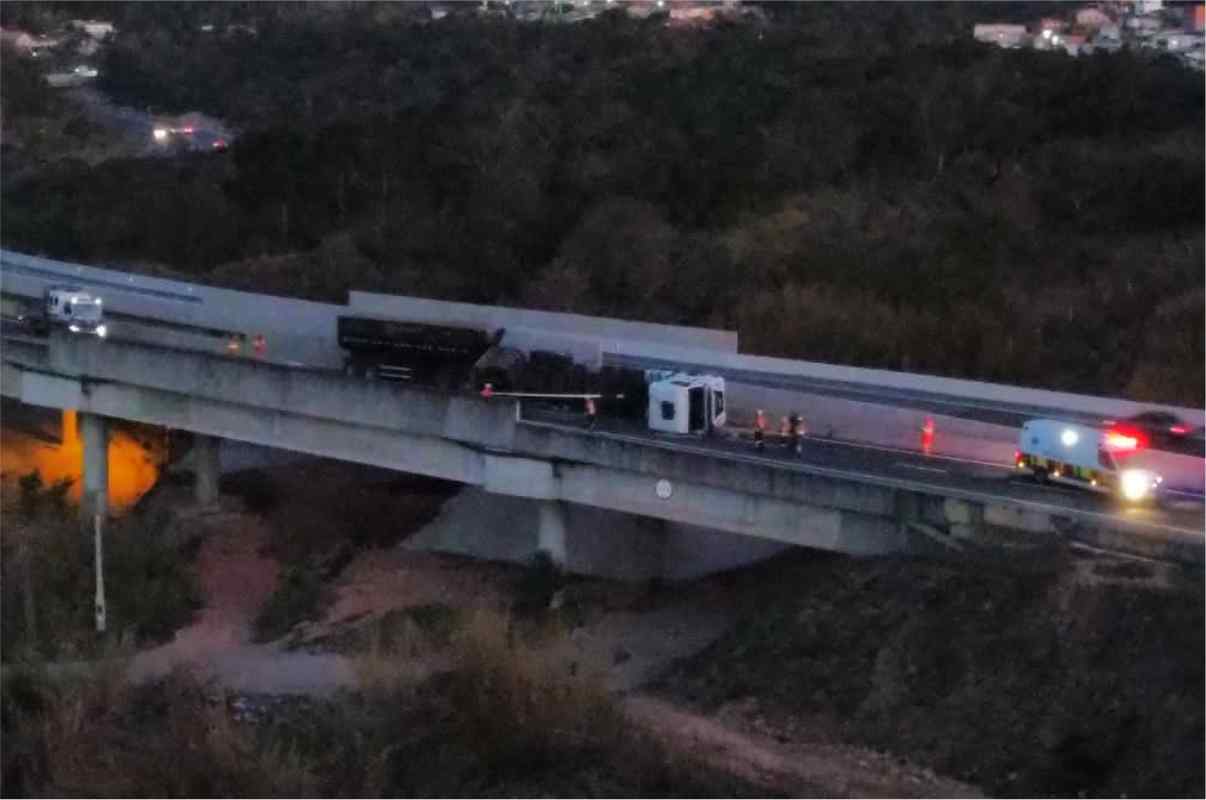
550, 536
206, 469
95, 497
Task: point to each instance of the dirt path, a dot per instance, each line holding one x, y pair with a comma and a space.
783, 768
628, 644
235, 581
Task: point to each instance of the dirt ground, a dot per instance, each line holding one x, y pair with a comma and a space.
626, 636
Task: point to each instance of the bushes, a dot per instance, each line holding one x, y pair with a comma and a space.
150, 590
298, 597
95, 736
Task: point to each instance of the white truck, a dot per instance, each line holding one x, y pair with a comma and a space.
1103, 459
683, 403
69, 307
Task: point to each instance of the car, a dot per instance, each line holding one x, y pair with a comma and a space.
1160, 430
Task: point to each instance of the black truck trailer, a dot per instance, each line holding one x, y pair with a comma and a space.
420, 352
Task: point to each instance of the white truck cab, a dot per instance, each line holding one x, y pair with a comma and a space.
682, 403
75, 309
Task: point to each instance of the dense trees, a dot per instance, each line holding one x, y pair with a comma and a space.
850, 182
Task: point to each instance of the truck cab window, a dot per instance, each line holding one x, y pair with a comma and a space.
667, 410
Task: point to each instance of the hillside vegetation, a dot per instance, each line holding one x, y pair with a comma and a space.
855, 183
1057, 677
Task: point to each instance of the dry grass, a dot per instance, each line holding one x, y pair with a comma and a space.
514, 700
397, 661
99, 736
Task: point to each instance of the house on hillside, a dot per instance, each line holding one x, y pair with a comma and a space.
1073, 43
17, 40
1092, 19
1008, 36
1179, 41
97, 29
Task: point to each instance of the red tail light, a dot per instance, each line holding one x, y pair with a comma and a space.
1124, 440
1179, 430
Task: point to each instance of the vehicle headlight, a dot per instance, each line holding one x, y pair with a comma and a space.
73, 328
1136, 484
101, 331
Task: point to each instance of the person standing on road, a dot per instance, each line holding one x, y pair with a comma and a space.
797, 433
261, 346
591, 413
759, 429
784, 431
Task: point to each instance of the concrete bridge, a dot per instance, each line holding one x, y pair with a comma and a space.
613, 501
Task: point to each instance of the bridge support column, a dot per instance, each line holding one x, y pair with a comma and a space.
95, 497
551, 534
206, 469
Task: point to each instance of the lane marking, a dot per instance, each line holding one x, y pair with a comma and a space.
921, 467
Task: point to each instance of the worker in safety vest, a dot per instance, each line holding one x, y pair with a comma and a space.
784, 431
260, 344
591, 413
759, 428
797, 433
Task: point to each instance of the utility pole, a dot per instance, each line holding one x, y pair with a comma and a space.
98, 527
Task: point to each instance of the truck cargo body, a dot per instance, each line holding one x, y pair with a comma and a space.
399, 350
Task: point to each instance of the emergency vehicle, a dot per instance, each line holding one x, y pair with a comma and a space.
1108, 460
66, 306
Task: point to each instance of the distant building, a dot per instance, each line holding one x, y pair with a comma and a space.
1072, 43
692, 14
97, 29
17, 40
1179, 41
1001, 35
1092, 18
1144, 26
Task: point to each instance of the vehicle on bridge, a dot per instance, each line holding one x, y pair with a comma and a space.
682, 403
1108, 460
397, 350
67, 307
1162, 430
